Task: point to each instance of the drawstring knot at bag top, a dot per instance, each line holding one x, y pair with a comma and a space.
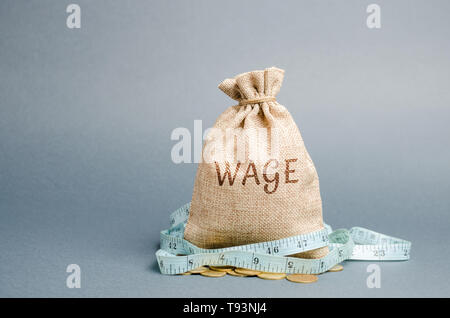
256, 101
256, 201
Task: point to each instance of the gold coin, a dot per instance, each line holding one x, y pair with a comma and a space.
247, 272
336, 268
233, 273
222, 268
272, 276
186, 273
210, 273
198, 270
302, 278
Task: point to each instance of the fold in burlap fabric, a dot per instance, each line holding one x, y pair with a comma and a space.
249, 201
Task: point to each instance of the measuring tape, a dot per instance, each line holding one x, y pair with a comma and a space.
354, 244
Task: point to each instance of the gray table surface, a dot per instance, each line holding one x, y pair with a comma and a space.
86, 116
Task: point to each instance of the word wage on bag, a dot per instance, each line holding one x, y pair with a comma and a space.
251, 173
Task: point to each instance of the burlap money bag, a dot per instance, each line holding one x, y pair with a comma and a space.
249, 201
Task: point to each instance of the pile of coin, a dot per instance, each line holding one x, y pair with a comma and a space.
220, 271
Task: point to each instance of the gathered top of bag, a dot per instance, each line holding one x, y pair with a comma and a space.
254, 87
257, 182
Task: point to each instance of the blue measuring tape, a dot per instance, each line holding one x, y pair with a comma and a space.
355, 244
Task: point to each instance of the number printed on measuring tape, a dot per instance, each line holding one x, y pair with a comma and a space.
354, 244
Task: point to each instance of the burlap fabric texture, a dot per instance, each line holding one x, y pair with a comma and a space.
249, 199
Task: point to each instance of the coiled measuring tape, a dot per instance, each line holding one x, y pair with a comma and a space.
354, 244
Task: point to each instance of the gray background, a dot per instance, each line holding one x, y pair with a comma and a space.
86, 116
